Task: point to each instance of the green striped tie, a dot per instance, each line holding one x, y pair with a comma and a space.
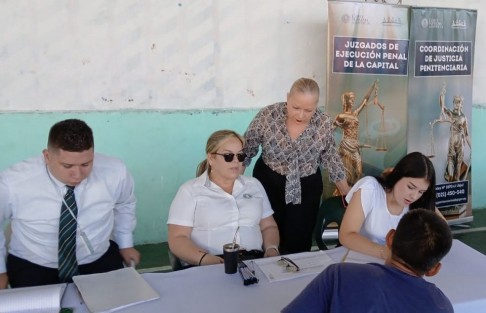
68, 265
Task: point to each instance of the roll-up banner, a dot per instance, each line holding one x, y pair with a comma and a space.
441, 68
367, 77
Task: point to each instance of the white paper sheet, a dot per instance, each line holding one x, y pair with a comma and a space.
42, 299
356, 257
308, 262
112, 291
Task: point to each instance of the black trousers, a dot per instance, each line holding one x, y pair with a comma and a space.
295, 221
22, 273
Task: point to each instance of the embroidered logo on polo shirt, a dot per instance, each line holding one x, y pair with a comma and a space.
247, 196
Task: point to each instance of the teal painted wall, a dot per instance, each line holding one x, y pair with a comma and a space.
478, 166
162, 151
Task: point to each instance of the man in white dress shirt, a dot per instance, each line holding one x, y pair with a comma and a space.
37, 192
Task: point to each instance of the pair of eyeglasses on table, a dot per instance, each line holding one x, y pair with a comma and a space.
289, 265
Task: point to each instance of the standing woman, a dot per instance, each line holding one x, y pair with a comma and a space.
296, 138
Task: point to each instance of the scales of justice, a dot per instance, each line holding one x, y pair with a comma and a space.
349, 148
380, 144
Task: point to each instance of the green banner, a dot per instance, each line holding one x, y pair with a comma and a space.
441, 68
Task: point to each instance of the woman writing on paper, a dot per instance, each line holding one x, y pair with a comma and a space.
376, 204
208, 210
296, 138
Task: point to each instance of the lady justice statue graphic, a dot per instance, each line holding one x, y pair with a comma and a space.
348, 121
456, 169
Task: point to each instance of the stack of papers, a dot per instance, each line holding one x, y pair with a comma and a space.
44, 299
308, 262
108, 292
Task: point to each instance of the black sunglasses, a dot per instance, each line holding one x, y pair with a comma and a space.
229, 157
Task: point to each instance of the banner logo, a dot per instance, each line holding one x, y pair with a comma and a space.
357, 19
459, 24
360, 20
392, 21
431, 23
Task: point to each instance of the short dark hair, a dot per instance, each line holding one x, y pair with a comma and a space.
71, 135
414, 165
421, 240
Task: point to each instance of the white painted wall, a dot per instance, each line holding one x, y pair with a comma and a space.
103, 55
168, 55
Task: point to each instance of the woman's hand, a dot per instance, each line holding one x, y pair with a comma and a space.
3, 281
270, 236
181, 245
343, 187
271, 252
210, 259
385, 253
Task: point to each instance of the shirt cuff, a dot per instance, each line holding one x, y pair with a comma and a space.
337, 177
3, 267
124, 240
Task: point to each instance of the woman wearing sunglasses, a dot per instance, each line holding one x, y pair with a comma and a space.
296, 138
209, 210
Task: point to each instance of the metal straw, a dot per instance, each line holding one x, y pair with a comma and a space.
234, 238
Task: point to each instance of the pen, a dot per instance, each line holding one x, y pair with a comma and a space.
344, 257
252, 267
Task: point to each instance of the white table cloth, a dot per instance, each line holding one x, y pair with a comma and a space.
209, 289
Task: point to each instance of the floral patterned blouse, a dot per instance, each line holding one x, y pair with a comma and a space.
293, 158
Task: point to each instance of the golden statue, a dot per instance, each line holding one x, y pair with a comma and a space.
456, 168
348, 121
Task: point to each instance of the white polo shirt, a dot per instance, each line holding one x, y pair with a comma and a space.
214, 215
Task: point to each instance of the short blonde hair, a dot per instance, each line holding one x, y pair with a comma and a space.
305, 85
215, 141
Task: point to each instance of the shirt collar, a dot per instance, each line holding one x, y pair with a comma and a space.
54, 179
62, 185
204, 180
